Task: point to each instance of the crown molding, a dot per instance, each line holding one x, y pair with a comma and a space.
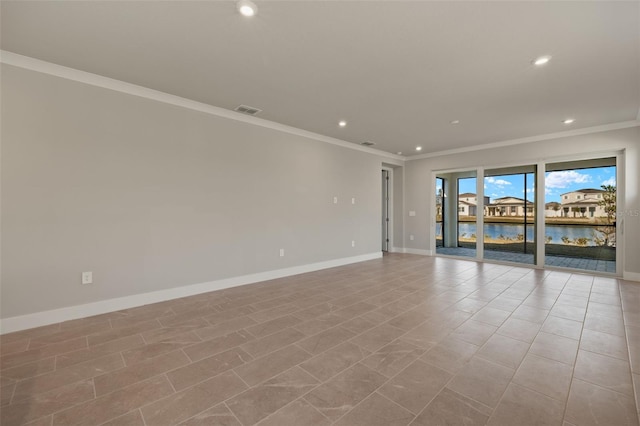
512, 142
97, 80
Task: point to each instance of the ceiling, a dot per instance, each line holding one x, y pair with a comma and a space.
397, 71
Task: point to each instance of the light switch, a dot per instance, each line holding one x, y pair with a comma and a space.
412, 213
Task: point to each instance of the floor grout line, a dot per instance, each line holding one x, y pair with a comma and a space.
463, 284
573, 367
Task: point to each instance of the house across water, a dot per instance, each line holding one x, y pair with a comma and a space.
582, 203
509, 206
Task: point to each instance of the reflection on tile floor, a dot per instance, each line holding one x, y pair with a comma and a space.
402, 340
608, 266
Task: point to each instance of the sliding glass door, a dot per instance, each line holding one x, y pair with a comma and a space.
580, 214
439, 213
576, 227
467, 216
456, 213
510, 214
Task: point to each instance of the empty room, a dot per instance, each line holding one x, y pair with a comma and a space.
313, 213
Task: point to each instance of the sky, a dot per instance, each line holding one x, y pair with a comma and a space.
556, 183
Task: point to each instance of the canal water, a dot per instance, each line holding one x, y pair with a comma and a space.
511, 230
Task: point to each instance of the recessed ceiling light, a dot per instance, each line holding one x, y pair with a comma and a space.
455, 122
418, 148
542, 60
247, 8
342, 123
399, 152
568, 121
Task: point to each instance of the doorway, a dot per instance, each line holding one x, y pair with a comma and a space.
456, 213
385, 210
440, 213
510, 214
580, 214
560, 214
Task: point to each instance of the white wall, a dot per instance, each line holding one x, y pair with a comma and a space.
419, 183
398, 209
150, 196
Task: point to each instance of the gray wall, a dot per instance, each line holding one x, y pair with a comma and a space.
151, 196
398, 209
419, 186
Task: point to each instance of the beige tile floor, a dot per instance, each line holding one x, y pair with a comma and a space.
401, 340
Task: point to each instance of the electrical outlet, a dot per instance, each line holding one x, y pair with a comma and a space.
353, 243
335, 200
353, 200
281, 252
87, 277
411, 237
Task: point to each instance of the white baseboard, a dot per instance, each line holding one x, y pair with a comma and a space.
631, 276
410, 251
38, 319
418, 251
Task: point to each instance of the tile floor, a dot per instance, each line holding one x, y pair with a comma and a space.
402, 340
606, 266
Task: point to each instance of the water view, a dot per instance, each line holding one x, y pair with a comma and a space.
498, 231
576, 206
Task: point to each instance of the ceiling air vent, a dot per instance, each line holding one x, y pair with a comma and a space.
367, 143
248, 110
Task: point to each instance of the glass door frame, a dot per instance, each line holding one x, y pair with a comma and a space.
450, 222
597, 161
442, 195
523, 172
539, 260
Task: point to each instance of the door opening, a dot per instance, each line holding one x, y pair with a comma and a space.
580, 214
510, 219
456, 213
440, 212
385, 210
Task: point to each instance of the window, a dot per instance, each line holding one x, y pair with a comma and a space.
440, 182
580, 240
515, 233
460, 209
